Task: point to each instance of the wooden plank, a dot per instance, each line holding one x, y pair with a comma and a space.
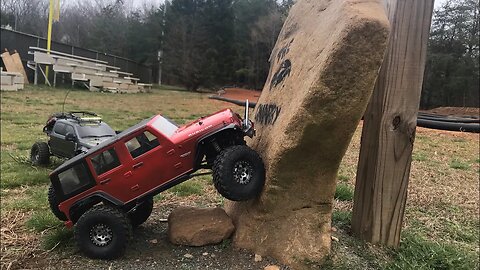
43, 58
389, 126
68, 55
19, 66
6, 79
8, 62
79, 77
12, 87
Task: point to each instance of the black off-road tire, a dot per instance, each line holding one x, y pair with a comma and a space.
103, 232
53, 202
239, 173
40, 154
141, 213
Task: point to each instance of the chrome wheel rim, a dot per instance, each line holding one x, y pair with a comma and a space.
242, 172
101, 235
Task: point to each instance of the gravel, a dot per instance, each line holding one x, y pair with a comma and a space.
150, 249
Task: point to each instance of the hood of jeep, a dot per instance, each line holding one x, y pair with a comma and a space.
207, 124
94, 141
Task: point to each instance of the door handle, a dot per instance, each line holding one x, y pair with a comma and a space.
138, 165
103, 182
128, 174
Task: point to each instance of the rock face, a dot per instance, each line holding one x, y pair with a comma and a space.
323, 69
192, 226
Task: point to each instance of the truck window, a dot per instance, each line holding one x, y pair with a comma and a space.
142, 144
74, 178
69, 129
105, 161
60, 128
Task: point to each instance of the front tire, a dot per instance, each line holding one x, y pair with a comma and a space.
142, 213
103, 232
40, 154
239, 173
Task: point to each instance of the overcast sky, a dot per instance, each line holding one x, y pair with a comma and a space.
138, 3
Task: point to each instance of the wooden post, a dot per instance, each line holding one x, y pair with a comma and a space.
389, 126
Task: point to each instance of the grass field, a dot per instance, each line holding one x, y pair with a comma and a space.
441, 228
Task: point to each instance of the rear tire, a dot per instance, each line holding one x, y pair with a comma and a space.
103, 232
142, 213
53, 202
239, 173
40, 154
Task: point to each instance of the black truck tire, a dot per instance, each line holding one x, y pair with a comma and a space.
103, 232
53, 202
239, 173
141, 213
40, 154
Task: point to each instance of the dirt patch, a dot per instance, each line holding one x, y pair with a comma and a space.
455, 111
240, 94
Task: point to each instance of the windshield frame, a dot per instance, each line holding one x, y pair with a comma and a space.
164, 125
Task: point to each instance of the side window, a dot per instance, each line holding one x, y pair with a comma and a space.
69, 129
60, 128
142, 144
105, 161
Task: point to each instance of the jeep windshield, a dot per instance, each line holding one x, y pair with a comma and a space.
95, 131
165, 126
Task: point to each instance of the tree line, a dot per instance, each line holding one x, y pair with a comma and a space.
452, 69
203, 43
213, 43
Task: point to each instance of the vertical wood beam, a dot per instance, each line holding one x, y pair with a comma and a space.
389, 126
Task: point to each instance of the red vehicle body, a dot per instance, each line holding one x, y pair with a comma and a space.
125, 172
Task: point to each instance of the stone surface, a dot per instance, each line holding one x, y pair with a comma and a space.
271, 267
323, 69
192, 226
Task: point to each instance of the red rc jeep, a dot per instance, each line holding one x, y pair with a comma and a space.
109, 189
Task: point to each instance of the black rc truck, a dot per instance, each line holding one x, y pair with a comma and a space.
70, 134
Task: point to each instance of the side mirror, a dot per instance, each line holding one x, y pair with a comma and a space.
70, 137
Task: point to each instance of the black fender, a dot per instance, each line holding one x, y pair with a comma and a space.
80, 207
202, 141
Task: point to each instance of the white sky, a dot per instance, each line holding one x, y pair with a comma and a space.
438, 3
139, 3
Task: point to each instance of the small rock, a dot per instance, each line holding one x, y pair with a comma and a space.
192, 226
205, 253
334, 238
258, 258
271, 267
153, 241
188, 256
334, 229
137, 260
213, 256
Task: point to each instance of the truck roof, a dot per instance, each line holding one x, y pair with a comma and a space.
106, 143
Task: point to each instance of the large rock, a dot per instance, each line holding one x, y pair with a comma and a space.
323, 69
199, 226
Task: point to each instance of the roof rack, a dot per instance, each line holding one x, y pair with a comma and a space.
81, 116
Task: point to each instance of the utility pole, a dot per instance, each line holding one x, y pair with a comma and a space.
160, 54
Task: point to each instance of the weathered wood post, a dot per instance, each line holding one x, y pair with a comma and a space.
389, 126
